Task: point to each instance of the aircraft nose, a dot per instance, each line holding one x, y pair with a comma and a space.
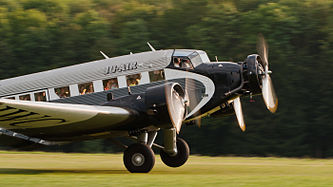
227, 75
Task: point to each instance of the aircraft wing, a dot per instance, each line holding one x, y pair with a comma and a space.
16, 114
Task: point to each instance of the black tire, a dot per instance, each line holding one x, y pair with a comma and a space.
134, 153
183, 152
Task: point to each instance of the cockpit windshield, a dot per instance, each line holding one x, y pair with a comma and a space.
182, 62
195, 58
189, 59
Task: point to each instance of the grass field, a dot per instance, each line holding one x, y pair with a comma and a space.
58, 169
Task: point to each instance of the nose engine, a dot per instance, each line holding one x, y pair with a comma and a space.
256, 79
253, 70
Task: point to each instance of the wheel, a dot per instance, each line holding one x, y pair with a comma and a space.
183, 151
139, 158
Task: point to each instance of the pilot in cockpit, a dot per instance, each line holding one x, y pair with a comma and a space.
176, 62
186, 63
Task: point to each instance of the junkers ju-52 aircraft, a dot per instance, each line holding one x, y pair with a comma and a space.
136, 96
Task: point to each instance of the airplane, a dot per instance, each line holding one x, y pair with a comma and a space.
135, 96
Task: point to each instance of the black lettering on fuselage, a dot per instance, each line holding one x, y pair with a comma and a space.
121, 68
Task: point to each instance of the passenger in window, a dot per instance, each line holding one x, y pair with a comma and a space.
156, 75
114, 85
40, 96
137, 81
82, 90
133, 80
90, 89
86, 88
25, 97
111, 84
63, 93
107, 85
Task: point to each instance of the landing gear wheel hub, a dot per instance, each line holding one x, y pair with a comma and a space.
139, 158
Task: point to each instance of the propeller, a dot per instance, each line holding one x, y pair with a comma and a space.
239, 113
175, 103
268, 93
260, 81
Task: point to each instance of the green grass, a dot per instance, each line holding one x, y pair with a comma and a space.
59, 169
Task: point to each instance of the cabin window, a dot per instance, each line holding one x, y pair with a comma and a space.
40, 96
86, 88
156, 75
182, 62
133, 80
13, 98
110, 84
25, 97
62, 92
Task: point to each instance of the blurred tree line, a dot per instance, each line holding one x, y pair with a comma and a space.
39, 35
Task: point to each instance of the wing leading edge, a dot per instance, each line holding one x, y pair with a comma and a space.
15, 114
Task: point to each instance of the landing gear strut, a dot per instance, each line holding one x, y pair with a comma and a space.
140, 158
183, 152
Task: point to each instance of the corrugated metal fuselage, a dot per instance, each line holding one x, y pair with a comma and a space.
200, 82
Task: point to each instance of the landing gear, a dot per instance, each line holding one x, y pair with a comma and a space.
139, 158
183, 152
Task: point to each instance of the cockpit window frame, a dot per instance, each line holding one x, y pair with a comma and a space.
195, 58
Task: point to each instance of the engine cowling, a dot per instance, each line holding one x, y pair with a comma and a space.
253, 68
165, 105
162, 106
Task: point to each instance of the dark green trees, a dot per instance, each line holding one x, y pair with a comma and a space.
39, 35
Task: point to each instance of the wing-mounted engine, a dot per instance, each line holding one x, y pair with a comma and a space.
166, 104
162, 106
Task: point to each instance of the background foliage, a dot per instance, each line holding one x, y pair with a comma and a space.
39, 35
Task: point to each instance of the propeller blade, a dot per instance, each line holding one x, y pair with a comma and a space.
176, 107
268, 93
239, 113
262, 49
